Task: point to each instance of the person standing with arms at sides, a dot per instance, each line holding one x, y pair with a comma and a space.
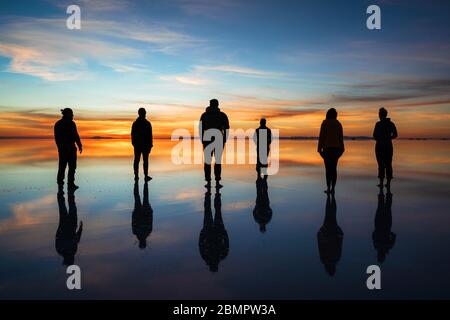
331, 147
66, 137
263, 139
142, 140
383, 134
213, 118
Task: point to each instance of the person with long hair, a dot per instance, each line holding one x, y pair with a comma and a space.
331, 147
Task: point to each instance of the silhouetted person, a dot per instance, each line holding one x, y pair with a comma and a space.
383, 134
331, 147
383, 238
142, 140
213, 241
263, 139
67, 235
213, 118
66, 137
330, 237
142, 217
262, 212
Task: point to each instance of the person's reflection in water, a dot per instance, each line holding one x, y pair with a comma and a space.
383, 238
330, 237
262, 212
142, 217
67, 235
213, 242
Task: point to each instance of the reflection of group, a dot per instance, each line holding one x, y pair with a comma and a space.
213, 241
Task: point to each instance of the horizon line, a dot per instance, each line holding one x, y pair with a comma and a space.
239, 138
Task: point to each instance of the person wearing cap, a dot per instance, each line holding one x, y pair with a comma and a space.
213, 118
383, 133
67, 140
142, 140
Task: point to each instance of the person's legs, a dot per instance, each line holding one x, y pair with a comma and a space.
137, 158
388, 164
145, 154
381, 168
266, 166
62, 164
333, 163
72, 161
218, 165
258, 163
207, 164
328, 165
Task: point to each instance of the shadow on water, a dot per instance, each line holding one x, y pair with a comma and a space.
383, 238
213, 241
67, 236
330, 237
262, 213
142, 216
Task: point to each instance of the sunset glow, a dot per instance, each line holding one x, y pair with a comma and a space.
172, 57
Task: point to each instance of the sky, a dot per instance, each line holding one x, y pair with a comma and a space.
288, 61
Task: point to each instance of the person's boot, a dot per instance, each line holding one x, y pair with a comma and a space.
388, 185
148, 178
381, 183
218, 185
208, 184
72, 186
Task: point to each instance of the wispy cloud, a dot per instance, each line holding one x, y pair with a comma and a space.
95, 5
44, 48
186, 79
208, 8
240, 70
395, 89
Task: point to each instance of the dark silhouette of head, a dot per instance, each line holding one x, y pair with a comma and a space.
262, 122
331, 113
142, 112
214, 103
383, 113
67, 113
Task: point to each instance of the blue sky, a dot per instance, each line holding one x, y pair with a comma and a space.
286, 60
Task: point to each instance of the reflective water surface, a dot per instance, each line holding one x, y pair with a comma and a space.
172, 239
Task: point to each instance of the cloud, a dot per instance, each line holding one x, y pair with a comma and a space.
240, 70
395, 89
186, 79
33, 61
96, 5
44, 48
207, 8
